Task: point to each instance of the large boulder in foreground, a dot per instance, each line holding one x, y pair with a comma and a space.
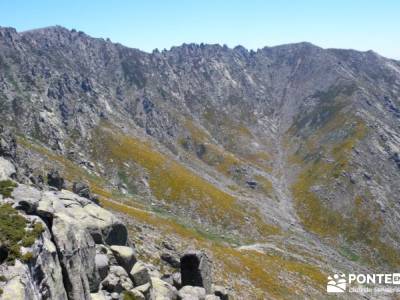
75, 225
21, 281
7, 169
102, 225
196, 270
18, 284
77, 252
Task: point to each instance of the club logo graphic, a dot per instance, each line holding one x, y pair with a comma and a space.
336, 284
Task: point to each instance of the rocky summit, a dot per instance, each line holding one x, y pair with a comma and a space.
199, 172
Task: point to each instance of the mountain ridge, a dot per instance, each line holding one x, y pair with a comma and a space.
237, 47
289, 152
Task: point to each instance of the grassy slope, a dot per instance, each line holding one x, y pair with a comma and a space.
177, 185
262, 270
324, 155
200, 146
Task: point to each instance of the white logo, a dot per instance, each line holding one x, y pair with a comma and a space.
336, 284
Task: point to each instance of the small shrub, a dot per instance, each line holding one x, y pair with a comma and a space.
3, 278
38, 229
6, 188
12, 225
32, 235
129, 296
14, 252
27, 257
13, 233
28, 240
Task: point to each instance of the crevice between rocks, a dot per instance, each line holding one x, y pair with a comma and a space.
66, 282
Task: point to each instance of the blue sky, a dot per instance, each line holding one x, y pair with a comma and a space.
357, 24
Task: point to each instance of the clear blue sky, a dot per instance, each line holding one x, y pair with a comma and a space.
147, 24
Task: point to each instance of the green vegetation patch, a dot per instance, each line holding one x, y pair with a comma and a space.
315, 215
327, 115
215, 156
265, 185
198, 142
168, 179
176, 184
13, 232
129, 296
233, 134
263, 270
360, 225
7, 187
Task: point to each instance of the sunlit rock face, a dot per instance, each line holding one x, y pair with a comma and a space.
283, 162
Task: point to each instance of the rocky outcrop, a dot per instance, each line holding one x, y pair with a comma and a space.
192, 292
64, 262
140, 274
162, 290
102, 265
77, 253
125, 256
40, 276
196, 270
55, 180
117, 280
47, 270
76, 225
18, 284
103, 227
81, 251
82, 189
7, 169
171, 259
8, 144
255, 122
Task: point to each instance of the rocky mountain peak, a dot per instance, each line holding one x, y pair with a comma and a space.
282, 163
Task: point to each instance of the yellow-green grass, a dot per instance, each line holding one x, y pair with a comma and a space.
265, 184
263, 270
13, 233
234, 135
176, 184
169, 180
260, 159
315, 216
6, 188
361, 224
69, 169
212, 155
221, 159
